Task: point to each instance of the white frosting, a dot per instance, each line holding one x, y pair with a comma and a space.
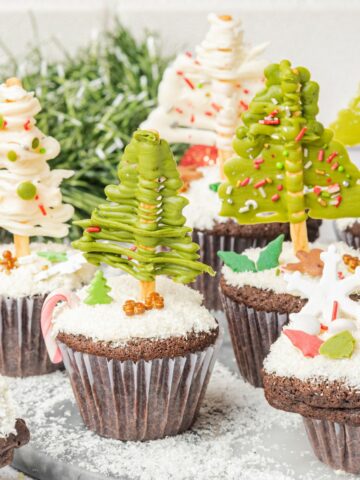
271, 279
7, 410
201, 98
204, 204
344, 223
181, 315
29, 278
44, 215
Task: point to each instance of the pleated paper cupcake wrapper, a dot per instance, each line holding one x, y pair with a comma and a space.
209, 246
22, 348
346, 237
336, 444
141, 400
252, 333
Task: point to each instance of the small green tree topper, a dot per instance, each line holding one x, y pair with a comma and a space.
98, 291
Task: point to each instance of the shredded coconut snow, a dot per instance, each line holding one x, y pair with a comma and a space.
204, 207
22, 281
273, 279
343, 223
7, 410
182, 314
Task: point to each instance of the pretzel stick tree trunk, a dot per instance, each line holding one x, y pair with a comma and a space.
22, 243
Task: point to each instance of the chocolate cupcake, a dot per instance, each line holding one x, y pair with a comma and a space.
257, 304
213, 232
138, 376
24, 285
348, 230
313, 368
13, 431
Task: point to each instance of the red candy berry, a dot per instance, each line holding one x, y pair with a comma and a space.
199, 155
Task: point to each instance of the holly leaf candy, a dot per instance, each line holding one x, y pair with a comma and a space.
340, 345
308, 344
238, 263
53, 257
214, 186
269, 257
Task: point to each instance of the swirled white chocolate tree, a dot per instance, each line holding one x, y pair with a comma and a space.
201, 98
30, 197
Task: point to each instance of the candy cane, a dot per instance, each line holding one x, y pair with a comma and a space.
46, 320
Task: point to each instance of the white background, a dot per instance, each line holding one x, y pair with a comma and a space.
323, 35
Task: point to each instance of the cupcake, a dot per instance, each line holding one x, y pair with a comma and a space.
139, 348
289, 169
30, 205
313, 367
348, 230
13, 431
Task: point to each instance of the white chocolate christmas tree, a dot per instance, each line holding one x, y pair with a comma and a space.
30, 197
201, 98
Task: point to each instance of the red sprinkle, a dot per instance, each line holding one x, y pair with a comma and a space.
273, 113
27, 125
335, 310
331, 157
268, 121
317, 190
280, 187
246, 91
260, 184
338, 201
188, 54
189, 82
341, 276
321, 155
259, 160
179, 110
300, 135
244, 105
334, 166
209, 114
180, 73
216, 106
275, 197
42, 210
192, 118
93, 230
324, 327
245, 182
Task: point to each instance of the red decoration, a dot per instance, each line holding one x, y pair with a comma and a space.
335, 310
27, 125
199, 155
42, 210
300, 135
331, 157
321, 155
308, 344
93, 229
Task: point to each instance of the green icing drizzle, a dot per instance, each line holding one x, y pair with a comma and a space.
144, 210
287, 160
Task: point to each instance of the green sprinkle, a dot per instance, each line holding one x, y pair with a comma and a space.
279, 165
12, 156
200, 85
42, 150
2, 122
277, 272
53, 257
285, 153
35, 143
26, 190
341, 168
214, 186
325, 194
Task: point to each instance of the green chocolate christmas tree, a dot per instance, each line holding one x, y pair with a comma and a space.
289, 167
347, 126
98, 291
141, 228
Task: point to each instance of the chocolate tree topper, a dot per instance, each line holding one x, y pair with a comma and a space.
141, 229
289, 168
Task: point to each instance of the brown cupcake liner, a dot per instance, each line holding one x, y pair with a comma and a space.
141, 400
22, 348
336, 444
13, 441
347, 237
252, 333
210, 244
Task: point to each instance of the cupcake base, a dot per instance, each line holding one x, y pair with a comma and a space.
350, 236
13, 441
22, 348
336, 444
143, 400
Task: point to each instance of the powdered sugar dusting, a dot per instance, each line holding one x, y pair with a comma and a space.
204, 207
273, 279
22, 281
181, 315
237, 436
7, 410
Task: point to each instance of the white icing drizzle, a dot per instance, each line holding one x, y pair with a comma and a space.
201, 98
45, 214
181, 315
7, 410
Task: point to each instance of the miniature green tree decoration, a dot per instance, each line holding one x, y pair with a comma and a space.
288, 168
141, 228
98, 291
347, 126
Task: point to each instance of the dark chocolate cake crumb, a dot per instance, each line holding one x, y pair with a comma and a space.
263, 300
142, 349
12, 441
333, 401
